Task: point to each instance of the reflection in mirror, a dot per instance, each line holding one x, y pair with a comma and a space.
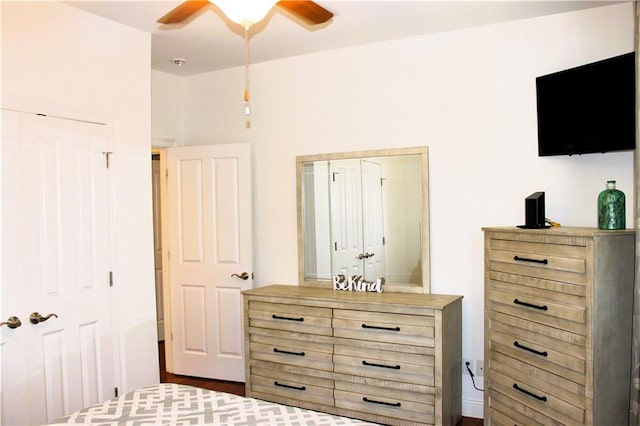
364, 214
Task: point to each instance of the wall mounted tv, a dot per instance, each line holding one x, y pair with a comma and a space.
588, 109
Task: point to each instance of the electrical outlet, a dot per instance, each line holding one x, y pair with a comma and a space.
479, 367
466, 361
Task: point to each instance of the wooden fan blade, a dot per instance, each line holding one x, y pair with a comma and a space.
183, 11
307, 10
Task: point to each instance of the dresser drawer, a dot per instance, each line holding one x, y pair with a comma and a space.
521, 414
551, 256
551, 335
538, 398
510, 295
298, 318
558, 359
538, 311
292, 352
520, 370
572, 318
397, 405
566, 263
292, 386
384, 327
385, 365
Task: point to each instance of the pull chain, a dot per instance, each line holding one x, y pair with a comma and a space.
247, 107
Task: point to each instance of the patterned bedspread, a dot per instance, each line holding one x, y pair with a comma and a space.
173, 404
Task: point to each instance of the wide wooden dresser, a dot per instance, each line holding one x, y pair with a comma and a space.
558, 319
391, 358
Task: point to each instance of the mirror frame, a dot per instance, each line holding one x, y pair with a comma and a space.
423, 152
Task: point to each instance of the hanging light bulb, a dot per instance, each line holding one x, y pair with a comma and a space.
245, 12
247, 107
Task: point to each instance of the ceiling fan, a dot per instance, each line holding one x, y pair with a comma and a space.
250, 11
247, 13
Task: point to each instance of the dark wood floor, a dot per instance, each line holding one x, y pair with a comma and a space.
237, 388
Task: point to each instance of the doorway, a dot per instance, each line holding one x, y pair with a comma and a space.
158, 185
204, 229
156, 188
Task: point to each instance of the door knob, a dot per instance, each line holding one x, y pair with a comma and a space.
242, 276
12, 322
36, 318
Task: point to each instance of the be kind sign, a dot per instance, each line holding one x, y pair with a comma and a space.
357, 283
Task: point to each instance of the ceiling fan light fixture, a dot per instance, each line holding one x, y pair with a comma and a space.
245, 12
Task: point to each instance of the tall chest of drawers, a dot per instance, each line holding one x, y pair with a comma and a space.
383, 357
558, 318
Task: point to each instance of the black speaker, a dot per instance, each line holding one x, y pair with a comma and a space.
534, 211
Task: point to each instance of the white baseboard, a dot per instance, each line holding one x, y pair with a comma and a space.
472, 408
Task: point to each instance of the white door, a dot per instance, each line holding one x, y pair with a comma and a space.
357, 222
372, 220
55, 262
210, 257
346, 217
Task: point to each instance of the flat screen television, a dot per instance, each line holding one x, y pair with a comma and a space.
588, 109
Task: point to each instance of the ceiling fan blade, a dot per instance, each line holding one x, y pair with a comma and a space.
307, 10
183, 11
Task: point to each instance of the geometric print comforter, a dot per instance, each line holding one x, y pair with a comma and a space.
174, 404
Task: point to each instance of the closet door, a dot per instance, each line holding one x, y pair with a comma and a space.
357, 218
55, 263
372, 220
346, 217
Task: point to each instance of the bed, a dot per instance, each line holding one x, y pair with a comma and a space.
175, 404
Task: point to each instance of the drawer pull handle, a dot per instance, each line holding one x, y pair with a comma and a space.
280, 351
526, 259
370, 364
518, 345
376, 327
373, 401
526, 392
531, 305
300, 388
274, 316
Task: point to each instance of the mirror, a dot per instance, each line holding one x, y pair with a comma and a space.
364, 213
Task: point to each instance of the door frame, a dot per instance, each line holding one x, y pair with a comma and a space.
159, 148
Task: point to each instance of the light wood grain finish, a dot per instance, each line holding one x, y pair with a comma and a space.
558, 306
394, 358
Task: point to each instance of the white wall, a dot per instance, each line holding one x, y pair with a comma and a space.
469, 95
61, 61
167, 109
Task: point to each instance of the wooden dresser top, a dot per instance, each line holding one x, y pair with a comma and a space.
338, 298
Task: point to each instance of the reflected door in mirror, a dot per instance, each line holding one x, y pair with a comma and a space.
357, 226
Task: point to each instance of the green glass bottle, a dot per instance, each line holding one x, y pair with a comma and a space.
611, 208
